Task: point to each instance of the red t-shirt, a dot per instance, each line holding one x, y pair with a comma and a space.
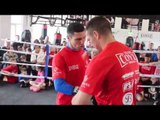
111, 76
12, 69
70, 66
147, 69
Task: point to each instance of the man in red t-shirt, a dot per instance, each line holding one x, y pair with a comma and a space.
69, 65
110, 77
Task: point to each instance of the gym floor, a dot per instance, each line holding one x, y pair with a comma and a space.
12, 94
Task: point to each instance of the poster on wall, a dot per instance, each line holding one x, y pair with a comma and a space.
111, 19
148, 37
131, 23
154, 25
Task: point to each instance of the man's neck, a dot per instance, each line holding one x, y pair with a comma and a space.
107, 41
70, 46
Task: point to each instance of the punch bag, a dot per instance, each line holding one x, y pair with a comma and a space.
142, 46
136, 46
44, 31
57, 37
26, 36
129, 41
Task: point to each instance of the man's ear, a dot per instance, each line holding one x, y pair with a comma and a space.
96, 35
69, 37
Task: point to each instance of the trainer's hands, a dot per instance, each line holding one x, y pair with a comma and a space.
85, 55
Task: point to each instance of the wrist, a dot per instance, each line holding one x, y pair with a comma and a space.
75, 90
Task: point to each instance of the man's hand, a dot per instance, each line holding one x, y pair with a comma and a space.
76, 88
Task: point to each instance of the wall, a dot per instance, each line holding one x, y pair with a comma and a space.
5, 27
146, 37
139, 36
120, 34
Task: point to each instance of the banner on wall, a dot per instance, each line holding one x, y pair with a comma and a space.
148, 37
138, 36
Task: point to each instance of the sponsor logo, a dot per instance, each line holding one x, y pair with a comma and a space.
126, 58
127, 86
146, 35
73, 67
85, 78
128, 98
84, 83
56, 71
127, 75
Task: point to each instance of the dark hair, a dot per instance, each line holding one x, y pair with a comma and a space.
148, 55
75, 27
23, 56
99, 24
36, 41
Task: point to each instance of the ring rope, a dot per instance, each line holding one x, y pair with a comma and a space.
43, 45
147, 64
21, 75
19, 63
30, 53
156, 86
148, 75
145, 51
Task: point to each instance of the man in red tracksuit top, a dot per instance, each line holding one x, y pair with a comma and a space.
69, 65
111, 75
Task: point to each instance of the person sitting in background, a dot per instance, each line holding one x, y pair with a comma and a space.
151, 48
16, 43
46, 40
39, 83
9, 71
156, 56
7, 43
24, 70
9, 55
64, 43
146, 70
139, 92
34, 57
1, 56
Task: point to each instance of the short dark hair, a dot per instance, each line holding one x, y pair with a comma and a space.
75, 27
148, 55
100, 24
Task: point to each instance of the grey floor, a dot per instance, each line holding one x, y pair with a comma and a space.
12, 94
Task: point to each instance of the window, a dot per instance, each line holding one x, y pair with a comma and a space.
16, 25
37, 32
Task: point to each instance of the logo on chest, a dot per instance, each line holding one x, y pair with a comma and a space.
73, 67
126, 58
